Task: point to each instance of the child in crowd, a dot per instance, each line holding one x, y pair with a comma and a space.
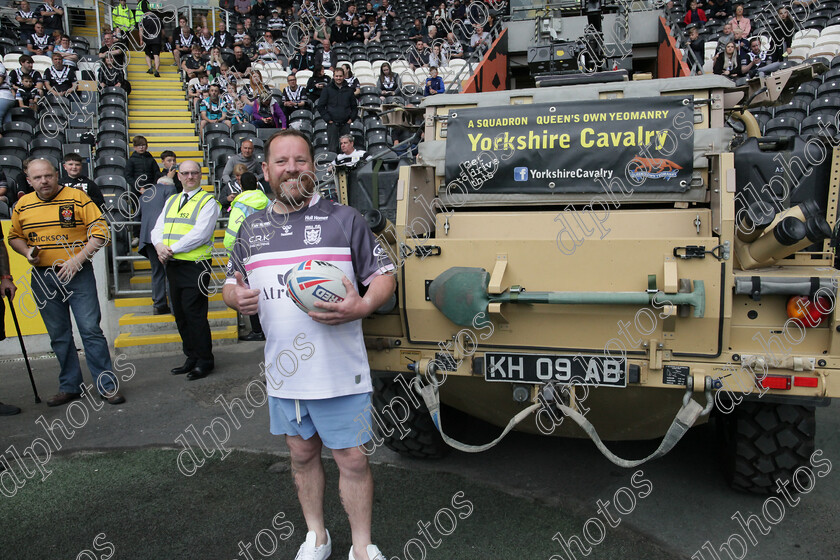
198, 91
27, 94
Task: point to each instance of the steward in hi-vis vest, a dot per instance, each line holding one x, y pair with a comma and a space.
246, 203
122, 18
183, 239
250, 200
180, 219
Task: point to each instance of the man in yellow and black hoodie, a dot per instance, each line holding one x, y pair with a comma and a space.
59, 229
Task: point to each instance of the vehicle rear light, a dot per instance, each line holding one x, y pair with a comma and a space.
805, 381
806, 312
775, 382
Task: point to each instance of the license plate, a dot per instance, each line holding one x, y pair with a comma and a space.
555, 368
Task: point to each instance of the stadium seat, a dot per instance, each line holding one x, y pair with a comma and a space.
112, 130
109, 165
14, 146
215, 129
112, 147
111, 100
219, 161
23, 114
300, 115
242, 127
825, 102
113, 188
320, 139
781, 126
220, 141
112, 114
795, 109
265, 133
19, 129
819, 125
12, 166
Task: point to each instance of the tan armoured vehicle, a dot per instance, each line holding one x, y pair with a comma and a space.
618, 261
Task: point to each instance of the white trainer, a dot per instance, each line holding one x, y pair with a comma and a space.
372, 552
308, 550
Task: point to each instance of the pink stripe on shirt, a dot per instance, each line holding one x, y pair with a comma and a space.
298, 259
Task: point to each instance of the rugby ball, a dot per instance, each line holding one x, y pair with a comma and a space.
312, 281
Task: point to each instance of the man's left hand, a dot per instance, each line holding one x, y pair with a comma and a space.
352, 308
68, 270
7, 284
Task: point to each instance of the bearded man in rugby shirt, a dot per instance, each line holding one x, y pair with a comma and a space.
328, 396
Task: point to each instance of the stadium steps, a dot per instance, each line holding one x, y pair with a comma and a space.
89, 29
158, 110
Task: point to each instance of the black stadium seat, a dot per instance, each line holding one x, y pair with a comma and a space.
15, 147
242, 127
24, 114
219, 162
109, 165
112, 147
12, 167
819, 125
18, 129
781, 126
825, 103
796, 109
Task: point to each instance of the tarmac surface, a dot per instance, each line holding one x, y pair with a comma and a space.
688, 503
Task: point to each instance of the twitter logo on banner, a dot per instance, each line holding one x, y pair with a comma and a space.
520, 173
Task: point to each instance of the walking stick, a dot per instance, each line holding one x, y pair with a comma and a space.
22, 347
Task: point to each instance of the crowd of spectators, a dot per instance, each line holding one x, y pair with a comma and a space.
225, 76
740, 50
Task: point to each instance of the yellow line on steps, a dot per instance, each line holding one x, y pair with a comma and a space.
128, 339
143, 319
147, 301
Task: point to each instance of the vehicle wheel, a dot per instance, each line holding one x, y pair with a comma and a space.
765, 442
423, 440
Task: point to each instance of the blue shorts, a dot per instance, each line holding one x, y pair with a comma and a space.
341, 422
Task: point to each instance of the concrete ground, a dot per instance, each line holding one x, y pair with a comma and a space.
687, 504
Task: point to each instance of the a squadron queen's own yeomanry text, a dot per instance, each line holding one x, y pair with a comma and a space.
587, 137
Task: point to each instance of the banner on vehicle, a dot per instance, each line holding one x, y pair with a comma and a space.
575, 147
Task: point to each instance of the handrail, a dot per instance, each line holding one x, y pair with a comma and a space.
116, 226
474, 59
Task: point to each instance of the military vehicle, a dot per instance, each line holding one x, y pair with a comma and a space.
592, 260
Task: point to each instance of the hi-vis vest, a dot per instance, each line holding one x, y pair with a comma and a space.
122, 17
245, 204
177, 223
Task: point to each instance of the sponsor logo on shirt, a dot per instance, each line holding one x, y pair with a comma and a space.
287, 230
311, 218
259, 240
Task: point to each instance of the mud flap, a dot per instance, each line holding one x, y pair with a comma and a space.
686, 416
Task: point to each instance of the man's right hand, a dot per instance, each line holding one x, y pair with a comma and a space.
33, 260
246, 300
164, 252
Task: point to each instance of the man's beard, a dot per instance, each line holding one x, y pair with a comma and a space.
293, 191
